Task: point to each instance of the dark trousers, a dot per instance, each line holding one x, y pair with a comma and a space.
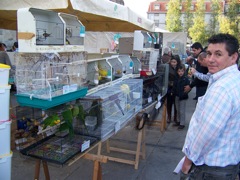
170, 103
205, 172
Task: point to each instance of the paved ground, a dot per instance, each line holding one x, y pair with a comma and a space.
163, 152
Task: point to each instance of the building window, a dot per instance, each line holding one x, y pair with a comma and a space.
156, 6
156, 22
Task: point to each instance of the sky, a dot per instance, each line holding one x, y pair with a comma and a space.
138, 6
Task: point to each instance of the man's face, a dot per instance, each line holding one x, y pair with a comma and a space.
202, 61
218, 58
196, 52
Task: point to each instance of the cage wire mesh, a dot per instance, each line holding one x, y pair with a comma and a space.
48, 75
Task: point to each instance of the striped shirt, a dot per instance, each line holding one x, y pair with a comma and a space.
213, 137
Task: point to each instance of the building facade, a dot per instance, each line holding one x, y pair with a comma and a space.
157, 11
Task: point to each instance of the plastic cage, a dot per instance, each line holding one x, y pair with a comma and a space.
136, 65
99, 72
127, 64
108, 110
116, 67
48, 76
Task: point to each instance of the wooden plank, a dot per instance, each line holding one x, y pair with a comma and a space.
94, 157
120, 160
122, 150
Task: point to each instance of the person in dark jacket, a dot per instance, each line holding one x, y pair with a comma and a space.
180, 96
201, 86
173, 64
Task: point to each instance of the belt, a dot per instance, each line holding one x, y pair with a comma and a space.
206, 167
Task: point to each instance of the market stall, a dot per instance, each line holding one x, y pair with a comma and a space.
83, 102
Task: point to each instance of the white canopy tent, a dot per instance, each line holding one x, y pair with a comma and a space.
96, 15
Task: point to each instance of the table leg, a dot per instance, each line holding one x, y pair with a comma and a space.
46, 171
37, 169
97, 171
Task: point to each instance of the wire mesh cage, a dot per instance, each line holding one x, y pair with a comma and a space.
48, 75
109, 109
148, 60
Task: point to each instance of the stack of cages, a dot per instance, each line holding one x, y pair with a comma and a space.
143, 49
49, 79
99, 72
5, 124
51, 74
106, 111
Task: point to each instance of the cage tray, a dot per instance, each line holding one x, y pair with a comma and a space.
56, 149
24, 100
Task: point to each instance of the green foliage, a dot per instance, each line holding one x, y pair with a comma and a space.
231, 19
173, 21
213, 26
225, 25
198, 32
188, 16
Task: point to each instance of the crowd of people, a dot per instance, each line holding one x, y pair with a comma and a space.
212, 143
4, 58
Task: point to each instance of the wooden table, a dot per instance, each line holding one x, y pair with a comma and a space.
99, 158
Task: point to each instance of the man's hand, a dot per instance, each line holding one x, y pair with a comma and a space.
187, 164
193, 70
187, 89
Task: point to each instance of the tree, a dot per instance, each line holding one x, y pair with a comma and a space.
198, 32
173, 17
225, 25
213, 26
188, 16
232, 15
230, 22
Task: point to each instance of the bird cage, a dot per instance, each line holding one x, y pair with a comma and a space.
136, 65
127, 64
49, 76
116, 67
108, 110
98, 72
148, 61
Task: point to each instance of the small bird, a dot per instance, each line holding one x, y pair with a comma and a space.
46, 34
